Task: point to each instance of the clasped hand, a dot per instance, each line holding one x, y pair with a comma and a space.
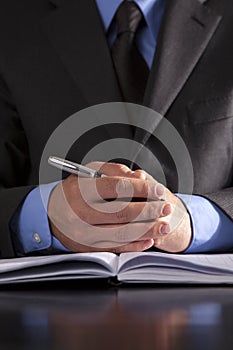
122, 212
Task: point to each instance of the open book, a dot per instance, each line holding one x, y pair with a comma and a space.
145, 267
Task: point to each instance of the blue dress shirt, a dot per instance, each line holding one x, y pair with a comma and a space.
212, 229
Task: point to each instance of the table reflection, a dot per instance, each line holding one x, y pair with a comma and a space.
123, 318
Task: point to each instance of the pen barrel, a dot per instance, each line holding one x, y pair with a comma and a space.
73, 168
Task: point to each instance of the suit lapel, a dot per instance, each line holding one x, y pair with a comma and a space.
76, 32
186, 30
187, 27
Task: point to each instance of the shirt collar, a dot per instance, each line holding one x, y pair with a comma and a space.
151, 9
107, 10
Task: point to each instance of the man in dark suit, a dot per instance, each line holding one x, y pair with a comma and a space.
56, 60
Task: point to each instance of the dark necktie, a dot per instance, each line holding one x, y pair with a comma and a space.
132, 71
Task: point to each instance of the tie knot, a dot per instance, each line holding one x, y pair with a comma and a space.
128, 17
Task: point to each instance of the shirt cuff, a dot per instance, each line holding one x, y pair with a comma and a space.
30, 225
212, 229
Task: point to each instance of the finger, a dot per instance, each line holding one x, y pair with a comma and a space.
83, 246
112, 169
118, 212
137, 246
112, 236
141, 174
116, 235
121, 187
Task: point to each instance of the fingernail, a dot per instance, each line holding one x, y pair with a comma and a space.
159, 190
148, 244
164, 229
166, 210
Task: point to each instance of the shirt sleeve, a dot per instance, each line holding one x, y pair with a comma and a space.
30, 225
212, 228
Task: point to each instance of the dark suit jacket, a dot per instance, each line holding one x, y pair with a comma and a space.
54, 61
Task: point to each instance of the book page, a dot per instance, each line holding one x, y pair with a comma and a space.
164, 267
202, 262
79, 265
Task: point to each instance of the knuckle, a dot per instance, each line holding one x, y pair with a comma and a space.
122, 215
123, 186
155, 210
149, 211
122, 168
142, 213
141, 173
153, 230
145, 188
157, 243
94, 165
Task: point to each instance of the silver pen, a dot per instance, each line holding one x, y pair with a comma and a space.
73, 168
